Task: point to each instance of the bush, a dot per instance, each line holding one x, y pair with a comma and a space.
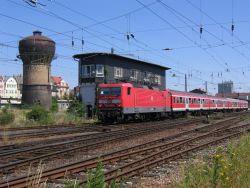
96, 178
228, 168
39, 114
54, 106
6, 117
76, 108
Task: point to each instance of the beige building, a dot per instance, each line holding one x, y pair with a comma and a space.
60, 87
11, 87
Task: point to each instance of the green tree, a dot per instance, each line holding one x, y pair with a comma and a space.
65, 96
39, 114
6, 116
54, 106
76, 108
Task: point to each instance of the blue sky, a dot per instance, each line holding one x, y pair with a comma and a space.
214, 56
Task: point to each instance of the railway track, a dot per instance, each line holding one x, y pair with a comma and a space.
135, 160
55, 130
12, 157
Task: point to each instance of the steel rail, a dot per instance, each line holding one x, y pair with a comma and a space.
56, 173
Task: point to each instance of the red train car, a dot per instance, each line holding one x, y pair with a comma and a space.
124, 102
119, 102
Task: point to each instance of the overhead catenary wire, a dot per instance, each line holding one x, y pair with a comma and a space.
175, 12
143, 41
226, 29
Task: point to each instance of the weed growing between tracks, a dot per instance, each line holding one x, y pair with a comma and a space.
34, 181
95, 179
227, 168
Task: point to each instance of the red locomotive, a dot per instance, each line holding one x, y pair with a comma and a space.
122, 102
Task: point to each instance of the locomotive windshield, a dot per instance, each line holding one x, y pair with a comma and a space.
106, 91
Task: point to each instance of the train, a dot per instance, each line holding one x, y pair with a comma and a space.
123, 102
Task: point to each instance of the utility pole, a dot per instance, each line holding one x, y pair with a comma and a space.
185, 83
206, 86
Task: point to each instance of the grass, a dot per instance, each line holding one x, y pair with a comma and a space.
5, 137
227, 168
35, 180
56, 118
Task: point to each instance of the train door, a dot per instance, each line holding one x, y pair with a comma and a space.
201, 103
186, 103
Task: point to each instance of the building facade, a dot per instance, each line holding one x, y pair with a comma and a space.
96, 68
60, 87
225, 87
11, 87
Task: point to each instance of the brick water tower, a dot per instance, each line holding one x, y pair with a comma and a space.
36, 52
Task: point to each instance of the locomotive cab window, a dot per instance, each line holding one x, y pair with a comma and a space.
129, 91
114, 91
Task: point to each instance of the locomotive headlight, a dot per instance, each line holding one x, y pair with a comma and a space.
103, 101
116, 101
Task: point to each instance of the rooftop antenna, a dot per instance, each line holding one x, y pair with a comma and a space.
112, 50
82, 40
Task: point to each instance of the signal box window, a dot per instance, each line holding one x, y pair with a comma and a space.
158, 79
87, 70
118, 72
134, 74
99, 71
129, 90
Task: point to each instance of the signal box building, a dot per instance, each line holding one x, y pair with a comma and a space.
97, 68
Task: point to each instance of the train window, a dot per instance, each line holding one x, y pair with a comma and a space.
105, 91
178, 100
129, 90
115, 91
181, 100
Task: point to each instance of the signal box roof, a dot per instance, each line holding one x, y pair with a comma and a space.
96, 54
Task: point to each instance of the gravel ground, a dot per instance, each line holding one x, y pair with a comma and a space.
109, 147
157, 177
162, 177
